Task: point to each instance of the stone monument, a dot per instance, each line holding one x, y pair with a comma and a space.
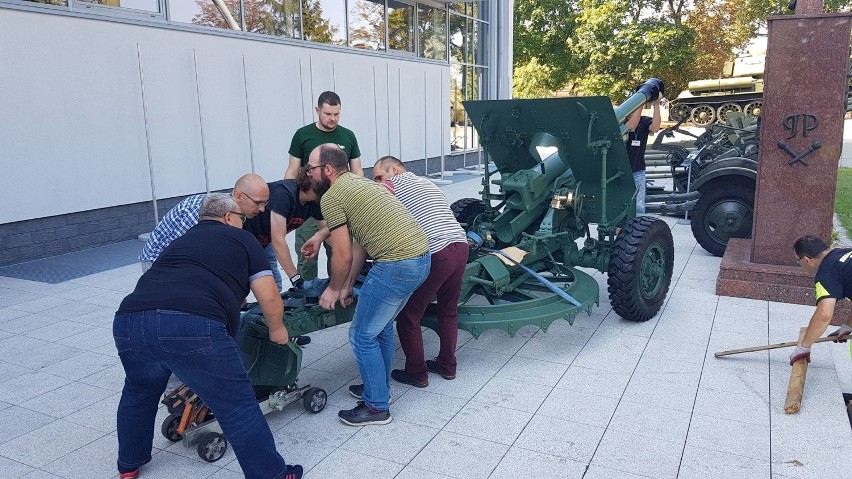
801, 135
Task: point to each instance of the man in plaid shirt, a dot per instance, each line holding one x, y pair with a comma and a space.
251, 193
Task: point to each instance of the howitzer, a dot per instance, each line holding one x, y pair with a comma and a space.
561, 168
563, 174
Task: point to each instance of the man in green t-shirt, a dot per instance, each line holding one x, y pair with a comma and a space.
325, 130
364, 220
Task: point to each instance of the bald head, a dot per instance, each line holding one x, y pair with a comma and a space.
387, 167
251, 193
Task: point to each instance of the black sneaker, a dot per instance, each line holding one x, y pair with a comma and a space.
434, 367
293, 472
363, 415
401, 376
356, 390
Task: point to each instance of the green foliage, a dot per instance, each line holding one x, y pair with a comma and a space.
542, 31
317, 28
843, 198
610, 46
622, 53
531, 80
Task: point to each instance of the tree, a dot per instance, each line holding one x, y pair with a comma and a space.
318, 28
531, 80
367, 25
542, 31
621, 53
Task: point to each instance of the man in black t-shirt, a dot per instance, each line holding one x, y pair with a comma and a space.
181, 319
637, 139
832, 271
291, 203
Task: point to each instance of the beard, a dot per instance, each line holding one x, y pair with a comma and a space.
322, 185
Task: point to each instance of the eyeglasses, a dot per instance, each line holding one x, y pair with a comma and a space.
260, 204
242, 216
310, 168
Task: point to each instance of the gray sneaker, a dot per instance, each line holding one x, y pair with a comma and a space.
363, 415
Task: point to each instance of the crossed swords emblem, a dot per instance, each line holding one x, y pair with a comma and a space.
799, 157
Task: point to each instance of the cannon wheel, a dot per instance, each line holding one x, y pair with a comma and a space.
723, 212
640, 268
467, 209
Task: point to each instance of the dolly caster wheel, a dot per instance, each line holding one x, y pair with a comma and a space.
314, 400
212, 446
170, 427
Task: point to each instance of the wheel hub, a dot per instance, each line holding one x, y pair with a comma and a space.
653, 271
728, 218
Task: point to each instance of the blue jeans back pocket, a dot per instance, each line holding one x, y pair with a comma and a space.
182, 333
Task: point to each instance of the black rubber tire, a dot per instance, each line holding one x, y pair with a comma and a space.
640, 268
314, 400
170, 426
212, 446
466, 209
722, 212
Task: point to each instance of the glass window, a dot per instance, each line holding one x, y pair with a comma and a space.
273, 17
432, 25
143, 5
480, 52
206, 13
324, 21
458, 38
62, 3
367, 24
400, 26
457, 7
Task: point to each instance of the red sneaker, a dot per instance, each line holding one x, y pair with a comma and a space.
129, 475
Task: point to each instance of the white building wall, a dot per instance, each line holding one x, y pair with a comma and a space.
73, 123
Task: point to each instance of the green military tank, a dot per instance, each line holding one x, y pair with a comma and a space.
707, 101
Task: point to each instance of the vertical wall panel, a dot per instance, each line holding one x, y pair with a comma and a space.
435, 126
223, 110
172, 119
275, 106
354, 80
308, 98
380, 105
412, 113
394, 110
72, 121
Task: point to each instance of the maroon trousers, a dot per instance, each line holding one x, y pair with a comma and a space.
444, 281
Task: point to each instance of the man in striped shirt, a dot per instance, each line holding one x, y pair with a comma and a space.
358, 209
448, 245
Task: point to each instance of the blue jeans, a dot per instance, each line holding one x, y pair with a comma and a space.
383, 295
273, 265
153, 344
639, 179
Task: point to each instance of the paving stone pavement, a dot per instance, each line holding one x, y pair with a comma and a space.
604, 398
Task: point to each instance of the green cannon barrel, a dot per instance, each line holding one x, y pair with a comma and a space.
520, 136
